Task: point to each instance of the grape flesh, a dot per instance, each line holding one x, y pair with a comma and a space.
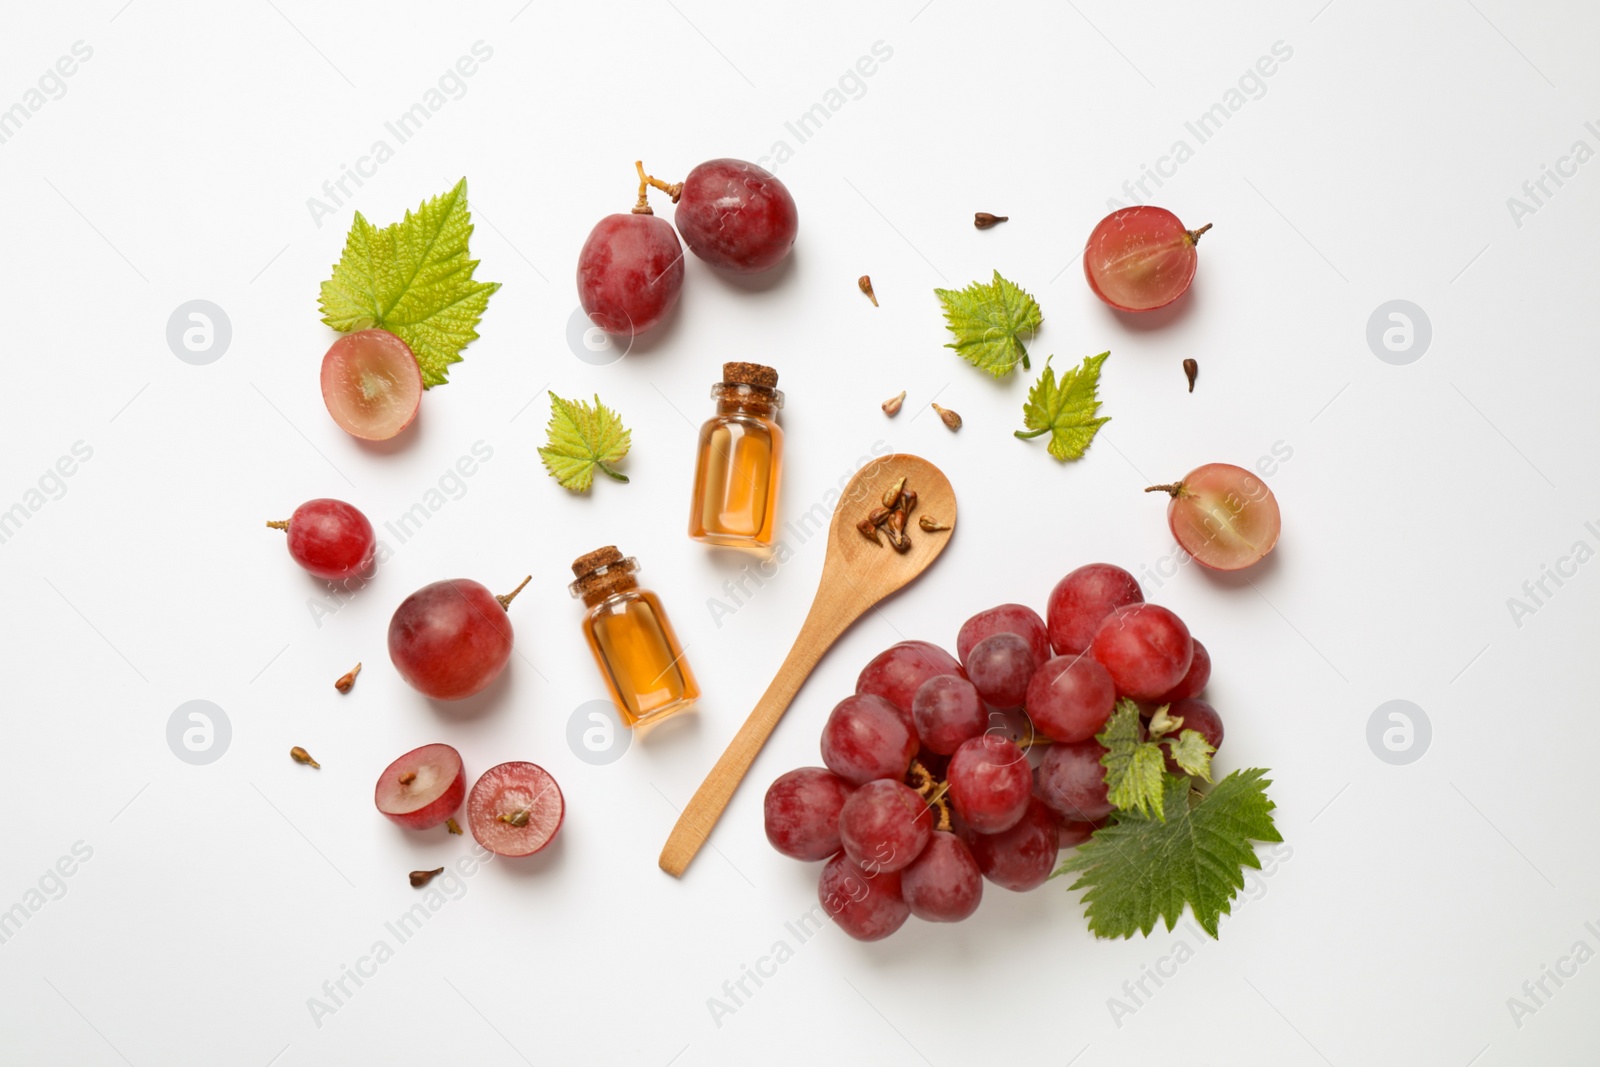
1000, 666
1193, 682
1140, 258
896, 673
866, 738
331, 539
1070, 698
884, 825
1080, 602
1072, 782
1022, 857
801, 812
371, 384
1224, 516
989, 783
947, 712
866, 905
423, 788
943, 885
736, 216
450, 639
1200, 717
1145, 648
1006, 619
515, 809
629, 273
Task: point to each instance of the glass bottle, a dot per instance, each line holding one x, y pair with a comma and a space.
739, 460
632, 641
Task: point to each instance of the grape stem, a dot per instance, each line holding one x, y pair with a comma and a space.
507, 598
1175, 489
281, 524
1194, 235
646, 181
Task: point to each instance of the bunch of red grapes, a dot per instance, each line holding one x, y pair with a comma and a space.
926, 790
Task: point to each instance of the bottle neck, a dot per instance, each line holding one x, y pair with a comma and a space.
604, 590
606, 581
734, 399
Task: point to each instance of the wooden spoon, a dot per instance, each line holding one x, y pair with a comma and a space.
855, 576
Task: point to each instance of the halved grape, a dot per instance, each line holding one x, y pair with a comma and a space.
867, 906
1140, 258
515, 809
1082, 600
801, 812
423, 788
1070, 698
943, 885
1223, 516
736, 216
1020, 858
629, 272
866, 738
884, 825
371, 384
989, 783
1145, 648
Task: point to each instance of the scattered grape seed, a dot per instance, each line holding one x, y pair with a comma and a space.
453, 826
865, 283
891, 407
347, 680
950, 418
1191, 370
300, 755
422, 878
983, 220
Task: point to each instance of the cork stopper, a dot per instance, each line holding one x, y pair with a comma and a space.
602, 573
749, 374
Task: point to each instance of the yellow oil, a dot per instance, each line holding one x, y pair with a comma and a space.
639, 657
736, 481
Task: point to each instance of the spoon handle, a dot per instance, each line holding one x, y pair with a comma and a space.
694, 825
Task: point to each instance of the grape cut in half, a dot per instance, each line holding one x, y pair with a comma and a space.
1141, 258
515, 809
423, 788
371, 384
1223, 516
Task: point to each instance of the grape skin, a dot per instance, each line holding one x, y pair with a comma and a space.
866, 738
801, 813
947, 712
1224, 516
943, 884
1082, 600
1022, 857
736, 216
1194, 682
1140, 258
867, 905
989, 783
884, 826
450, 639
896, 673
1000, 666
434, 792
629, 272
1072, 781
1016, 619
331, 539
1070, 698
1145, 648
371, 384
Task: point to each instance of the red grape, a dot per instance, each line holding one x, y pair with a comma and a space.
331, 539
1200, 717
1070, 698
423, 788
515, 809
1082, 600
1194, 681
1022, 857
884, 825
947, 711
629, 272
736, 216
1005, 619
1140, 258
1145, 648
802, 813
943, 885
371, 384
450, 639
1000, 666
1072, 833
1072, 781
1223, 516
868, 907
896, 673
866, 738
989, 783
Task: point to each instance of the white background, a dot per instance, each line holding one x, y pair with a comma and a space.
1375, 164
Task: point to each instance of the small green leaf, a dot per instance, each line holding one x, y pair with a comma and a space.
1134, 766
1065, 409
582, 440
989, 322
414, 279
1192, 752
1139, 871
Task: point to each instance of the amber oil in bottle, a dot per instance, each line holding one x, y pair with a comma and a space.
632, 641
740, 458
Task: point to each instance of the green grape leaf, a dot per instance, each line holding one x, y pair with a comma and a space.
414, 279
1134, 766
583, 439
1065, 409
1192, 752
989, 322
1138, 871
